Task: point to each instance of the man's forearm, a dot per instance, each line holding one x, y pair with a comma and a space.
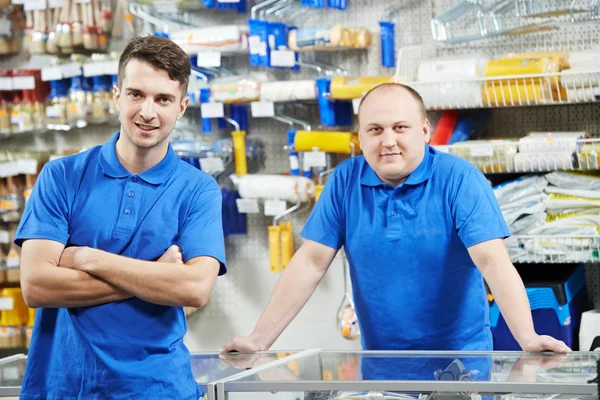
55, 287
292, 291
510, 295
156, 282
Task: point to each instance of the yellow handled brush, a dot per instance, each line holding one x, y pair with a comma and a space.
327, 141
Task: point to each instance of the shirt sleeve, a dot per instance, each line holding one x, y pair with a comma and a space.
46, 215
475, 210
202, 231
326, 223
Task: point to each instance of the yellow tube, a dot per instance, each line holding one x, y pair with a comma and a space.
318, 190
502, 94
348, 88
559, 58
239, 151
329, 142
275, 247
520, 66
287, 243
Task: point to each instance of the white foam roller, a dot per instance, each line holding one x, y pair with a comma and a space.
583, 59
277, 187
583, 94
451, 68
579, 78
288, 91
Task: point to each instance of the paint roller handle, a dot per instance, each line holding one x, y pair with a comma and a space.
275, 247
239, 151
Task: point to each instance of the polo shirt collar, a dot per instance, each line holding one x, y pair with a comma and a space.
419, 175
156, 175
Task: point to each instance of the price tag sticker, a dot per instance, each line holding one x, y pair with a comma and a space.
23, 83
275, 207
6, 304
212, 164
6, 83
51, 74
209, 59
315, 159
70, 70
283, 58
34, 5
28, 166
212, 110
4, 237
262, 109
247, 206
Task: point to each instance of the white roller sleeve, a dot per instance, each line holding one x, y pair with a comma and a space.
579, 78
279, 187
451, 68
584, 59
583, 94
221, 38
288, 91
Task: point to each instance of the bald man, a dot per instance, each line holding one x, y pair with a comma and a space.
421, 230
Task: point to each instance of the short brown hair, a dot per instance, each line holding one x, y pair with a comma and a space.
410, 90
161, 54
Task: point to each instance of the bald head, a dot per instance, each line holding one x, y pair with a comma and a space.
384, 87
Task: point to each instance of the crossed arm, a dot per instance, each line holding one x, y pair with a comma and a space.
53, 276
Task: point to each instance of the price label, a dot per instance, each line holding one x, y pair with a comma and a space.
212, 110
51, 74
247, 206
10, 168
93, 69
228, 1
4, 237
24, 83
315, 159
356, 105
10, 373
56, 3
212, 164
165, 6
209, 59
283, 58
262, 109
275, 207
28, 166
35, 5
6, 303
70, 70
82, 1
6, 83
482, 150
5, 26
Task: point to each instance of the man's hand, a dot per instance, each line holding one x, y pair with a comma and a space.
172, 255
539, 343
243, 344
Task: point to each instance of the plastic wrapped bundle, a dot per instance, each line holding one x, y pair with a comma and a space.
278, 187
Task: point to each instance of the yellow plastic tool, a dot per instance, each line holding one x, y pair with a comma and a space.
275, 247
239, 151
495, 94
520, 66
287, 243
348, 88
561, 59
318, 190
327, 141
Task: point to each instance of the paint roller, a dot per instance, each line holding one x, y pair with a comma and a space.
294, 189
328, 142
239, 148
348, 88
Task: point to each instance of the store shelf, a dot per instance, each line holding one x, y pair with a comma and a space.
566, 87
553, 249
529, 156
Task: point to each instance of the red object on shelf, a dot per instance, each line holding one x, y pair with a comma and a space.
445, 127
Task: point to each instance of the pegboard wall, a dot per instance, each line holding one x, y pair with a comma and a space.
240, 296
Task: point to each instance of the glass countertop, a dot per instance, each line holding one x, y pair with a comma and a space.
492, 371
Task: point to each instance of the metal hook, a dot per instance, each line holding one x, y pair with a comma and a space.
259, 6
288, 211
138, 12
233, 122
200, 75
275, 7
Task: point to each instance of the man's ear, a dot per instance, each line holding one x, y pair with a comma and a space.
183, 106
427, 130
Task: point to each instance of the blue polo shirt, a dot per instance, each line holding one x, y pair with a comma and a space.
129, 349
415, 286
